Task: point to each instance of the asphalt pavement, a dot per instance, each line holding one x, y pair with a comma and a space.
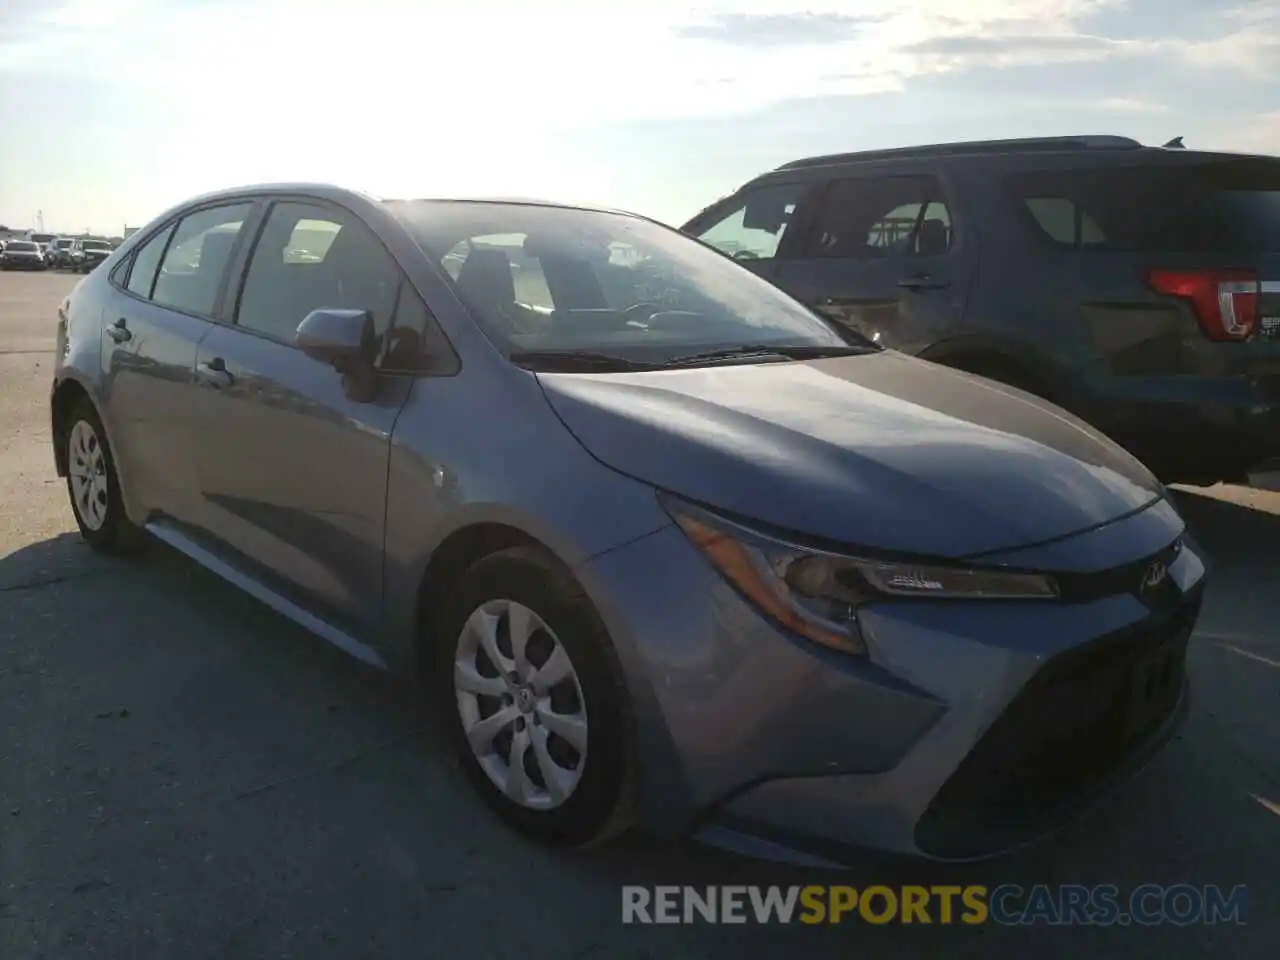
185, 774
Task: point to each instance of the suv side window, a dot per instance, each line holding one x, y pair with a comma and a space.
146, 261
192, 269
309, 257
754, 229
874, 218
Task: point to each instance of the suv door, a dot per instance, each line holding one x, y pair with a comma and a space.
884, 256
292, 471
752, 224
167, 291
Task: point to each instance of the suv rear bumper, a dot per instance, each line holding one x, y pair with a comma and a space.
1195, 429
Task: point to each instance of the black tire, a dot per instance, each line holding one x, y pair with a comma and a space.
117, 534
601, 805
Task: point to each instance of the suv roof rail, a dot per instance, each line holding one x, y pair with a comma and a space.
1026, 144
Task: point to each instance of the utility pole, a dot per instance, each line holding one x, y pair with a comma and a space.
39, 221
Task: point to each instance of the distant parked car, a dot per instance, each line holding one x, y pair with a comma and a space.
666, 545
22, 255
87, 254
1138, 287
60, 252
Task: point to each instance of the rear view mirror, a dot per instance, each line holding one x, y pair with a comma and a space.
343, 338
765, 211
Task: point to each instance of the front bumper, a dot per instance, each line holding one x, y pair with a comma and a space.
23, 263
944, 742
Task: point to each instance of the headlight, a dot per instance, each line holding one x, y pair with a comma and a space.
817, 594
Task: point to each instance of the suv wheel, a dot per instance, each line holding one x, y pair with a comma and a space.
532, 699
93, 486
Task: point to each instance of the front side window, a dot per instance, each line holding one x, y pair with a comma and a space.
310, 257
146, 261
552, 278
754, 229
193, 266
871, 219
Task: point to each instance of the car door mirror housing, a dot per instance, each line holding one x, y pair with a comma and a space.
345, 339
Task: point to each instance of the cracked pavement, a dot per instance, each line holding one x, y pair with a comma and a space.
185, 774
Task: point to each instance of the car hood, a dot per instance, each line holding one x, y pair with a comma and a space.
882, 451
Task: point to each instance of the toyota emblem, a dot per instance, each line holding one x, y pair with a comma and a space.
1155, 575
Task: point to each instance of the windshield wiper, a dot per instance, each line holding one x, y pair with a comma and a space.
577, 360
767, 351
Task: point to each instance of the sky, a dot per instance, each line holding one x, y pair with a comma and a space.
111, 111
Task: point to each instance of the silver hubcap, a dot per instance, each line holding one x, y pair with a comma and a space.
88, 468
521, 704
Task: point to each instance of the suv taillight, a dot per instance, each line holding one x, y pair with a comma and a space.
1225, 301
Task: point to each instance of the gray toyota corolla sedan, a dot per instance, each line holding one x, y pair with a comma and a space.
667, 548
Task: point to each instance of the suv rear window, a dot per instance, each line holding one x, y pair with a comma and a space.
1225, 206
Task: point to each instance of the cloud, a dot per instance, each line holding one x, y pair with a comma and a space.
977, 45
776, 30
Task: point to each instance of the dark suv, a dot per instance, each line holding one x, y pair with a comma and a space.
1137, 287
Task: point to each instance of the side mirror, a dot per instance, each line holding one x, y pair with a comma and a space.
345, 339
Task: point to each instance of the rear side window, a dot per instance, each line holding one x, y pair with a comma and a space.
192, 269
875, 218
1230, 206
145, 263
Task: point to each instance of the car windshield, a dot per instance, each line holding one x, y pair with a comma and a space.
543, 278
21, 246
96, 245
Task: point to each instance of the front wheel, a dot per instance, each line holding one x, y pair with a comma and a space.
93, 485
532, 698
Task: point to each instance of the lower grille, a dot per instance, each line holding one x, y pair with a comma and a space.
1074, 725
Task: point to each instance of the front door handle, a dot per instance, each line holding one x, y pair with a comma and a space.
119, 331
922, 281
214, 373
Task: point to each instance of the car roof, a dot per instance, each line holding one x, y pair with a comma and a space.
1028, 153
330, 191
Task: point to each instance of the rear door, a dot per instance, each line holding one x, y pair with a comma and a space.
1173, 265
754, 225
885, 256
166, 294
292, 471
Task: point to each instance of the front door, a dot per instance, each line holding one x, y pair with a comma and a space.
291, 469
883, 257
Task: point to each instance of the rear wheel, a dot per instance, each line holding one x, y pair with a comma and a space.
93, 485
532, 700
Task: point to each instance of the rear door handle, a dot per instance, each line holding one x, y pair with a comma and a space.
922, 281
119, 331
214, 373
